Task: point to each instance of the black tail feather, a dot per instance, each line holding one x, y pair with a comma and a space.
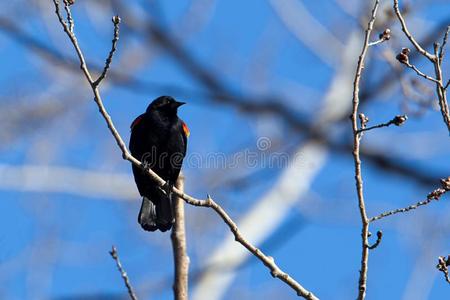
147, 215
156, 214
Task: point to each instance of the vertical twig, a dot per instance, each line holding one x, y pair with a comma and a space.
178, 236
356, 156
124, 275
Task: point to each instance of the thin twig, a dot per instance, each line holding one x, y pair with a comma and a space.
180, 257
434, 195
362, 285
419, 48
420, 73
436, 59
400, 210
74, 41
67, 4
378, 241
116, 21
443, 264
444, 43
377, 42
440, 90
124, 275
209, 202
397, 121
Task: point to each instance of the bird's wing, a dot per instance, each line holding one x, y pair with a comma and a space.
186, 133
136, 122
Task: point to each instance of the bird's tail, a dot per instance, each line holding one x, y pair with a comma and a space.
156, 214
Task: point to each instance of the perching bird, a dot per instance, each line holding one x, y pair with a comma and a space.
158, 139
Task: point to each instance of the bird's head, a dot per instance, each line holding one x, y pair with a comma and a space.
165, 105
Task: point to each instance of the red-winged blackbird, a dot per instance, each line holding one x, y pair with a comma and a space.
159, 140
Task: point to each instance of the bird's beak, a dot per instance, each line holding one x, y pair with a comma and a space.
177, 104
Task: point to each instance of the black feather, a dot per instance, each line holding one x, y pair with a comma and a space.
159, 142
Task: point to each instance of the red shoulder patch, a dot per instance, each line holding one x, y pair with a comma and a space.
135, 122
186, 130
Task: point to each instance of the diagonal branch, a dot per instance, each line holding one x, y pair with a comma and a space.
413, 41
124, 275
434, 195
268, 261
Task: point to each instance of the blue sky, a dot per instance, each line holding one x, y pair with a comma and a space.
54, 245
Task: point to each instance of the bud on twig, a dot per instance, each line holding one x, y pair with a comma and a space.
446, 183
443, 263
403, 56
385, 35
363, 119
116, 20
399, 120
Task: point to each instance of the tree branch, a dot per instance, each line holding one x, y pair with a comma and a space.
434, 195
180, 257
443, 264
116, 21
404, 59
124, 275
405, 29
357, 160
378, 241
435, 58
397, 121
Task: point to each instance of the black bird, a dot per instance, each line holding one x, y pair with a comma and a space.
158, 139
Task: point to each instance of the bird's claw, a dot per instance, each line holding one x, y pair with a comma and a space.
167, 188
145, 165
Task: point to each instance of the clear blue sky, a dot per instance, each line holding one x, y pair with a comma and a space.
54, 245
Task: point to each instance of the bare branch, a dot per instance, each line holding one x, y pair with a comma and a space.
209, 202
397, 121
180, 257
413, 41
435, 58
124, 275
444, 43
434, 195
74, 41
356, 156
268, 261
422, 74
67, 4
116, 21
443, 264
403, 58
378, 241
